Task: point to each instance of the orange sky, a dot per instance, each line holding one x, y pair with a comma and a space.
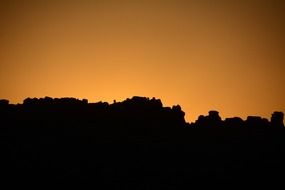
224, 55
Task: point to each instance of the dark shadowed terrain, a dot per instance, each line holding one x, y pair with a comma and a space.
135, 144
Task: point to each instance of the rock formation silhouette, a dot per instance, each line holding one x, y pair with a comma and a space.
135, 144
277, 119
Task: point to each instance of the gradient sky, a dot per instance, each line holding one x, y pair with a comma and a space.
202, 54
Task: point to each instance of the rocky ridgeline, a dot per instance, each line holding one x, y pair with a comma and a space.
135, 111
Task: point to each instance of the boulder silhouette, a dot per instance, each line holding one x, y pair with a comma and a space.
277, 119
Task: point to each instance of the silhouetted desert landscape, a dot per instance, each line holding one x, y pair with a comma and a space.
142, 94
135, 144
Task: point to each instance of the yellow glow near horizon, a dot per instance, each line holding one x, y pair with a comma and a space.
223, 55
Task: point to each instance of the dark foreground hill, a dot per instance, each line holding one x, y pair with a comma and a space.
135, 144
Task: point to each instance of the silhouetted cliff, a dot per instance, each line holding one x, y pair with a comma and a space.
135, 144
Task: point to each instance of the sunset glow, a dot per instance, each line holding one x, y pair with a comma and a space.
204, 55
